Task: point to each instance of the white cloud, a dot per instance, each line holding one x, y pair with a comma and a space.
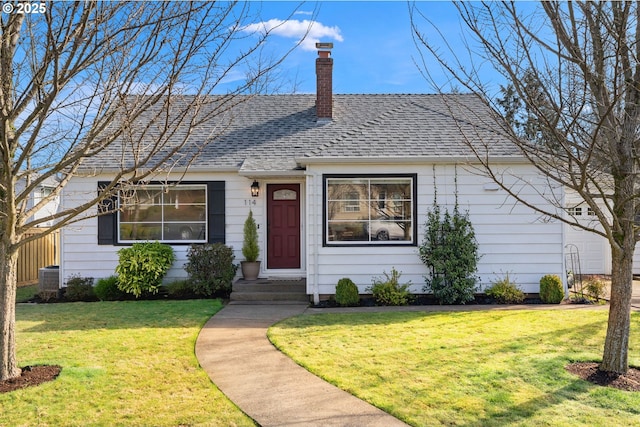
295, 29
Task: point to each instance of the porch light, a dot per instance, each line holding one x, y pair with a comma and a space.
255, 189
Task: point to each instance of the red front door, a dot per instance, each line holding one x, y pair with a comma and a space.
283, 225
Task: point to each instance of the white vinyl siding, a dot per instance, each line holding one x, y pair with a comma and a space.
82, 255
512, 238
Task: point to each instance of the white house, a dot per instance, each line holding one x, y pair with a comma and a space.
345, 182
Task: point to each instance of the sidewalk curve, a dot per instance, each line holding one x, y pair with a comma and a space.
234, 350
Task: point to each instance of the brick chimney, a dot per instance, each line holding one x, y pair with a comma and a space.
324, 81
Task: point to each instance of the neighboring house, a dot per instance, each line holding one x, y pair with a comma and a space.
45, 250
345, 182
37, 195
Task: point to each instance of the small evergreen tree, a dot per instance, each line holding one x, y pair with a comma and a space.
250, 247
450, 251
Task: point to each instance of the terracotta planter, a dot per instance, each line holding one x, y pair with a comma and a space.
250, 269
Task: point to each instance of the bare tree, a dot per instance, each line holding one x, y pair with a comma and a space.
77, 76
571, 106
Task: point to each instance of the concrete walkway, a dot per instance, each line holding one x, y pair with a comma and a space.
234, 350
268, 386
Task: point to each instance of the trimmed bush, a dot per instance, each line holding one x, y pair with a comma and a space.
211, 269
143, 266
389, 291
79, 289
504, 291
347, 293
551, 291
106, 289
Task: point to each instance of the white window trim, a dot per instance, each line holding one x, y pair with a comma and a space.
162, 222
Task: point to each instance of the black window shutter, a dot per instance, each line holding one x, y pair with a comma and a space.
216, 206
107, 218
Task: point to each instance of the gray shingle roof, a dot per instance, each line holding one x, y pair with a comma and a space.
269, 132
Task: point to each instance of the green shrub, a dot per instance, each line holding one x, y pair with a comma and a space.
79, 289
504, 291
142, 267
551, 291
389, 291
211, 269
450, 251
595, 288
106, 289
347, 293
181, 289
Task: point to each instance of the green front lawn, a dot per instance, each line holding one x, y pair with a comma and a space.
124, 364
490, 368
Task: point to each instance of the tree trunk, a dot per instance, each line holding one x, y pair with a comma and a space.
616, 344
8, 282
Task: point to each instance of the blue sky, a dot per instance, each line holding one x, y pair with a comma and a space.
374, 51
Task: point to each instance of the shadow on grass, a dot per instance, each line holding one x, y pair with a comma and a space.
536, 348
509, 415
589, 335
575, 390
571, 319
116, 315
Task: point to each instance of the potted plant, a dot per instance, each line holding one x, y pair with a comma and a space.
250, 249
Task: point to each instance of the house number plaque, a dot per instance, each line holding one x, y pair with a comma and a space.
285, 195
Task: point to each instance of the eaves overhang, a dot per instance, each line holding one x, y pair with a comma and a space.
271, 173
91, 171
410, 160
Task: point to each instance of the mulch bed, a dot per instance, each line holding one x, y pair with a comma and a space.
31, 376
589, 371
426, 299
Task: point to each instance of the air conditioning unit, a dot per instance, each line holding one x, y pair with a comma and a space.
49, 281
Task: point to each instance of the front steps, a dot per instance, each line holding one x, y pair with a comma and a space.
269, 291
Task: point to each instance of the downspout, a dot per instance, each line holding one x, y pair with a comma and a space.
61, 257
314, 231
318, 210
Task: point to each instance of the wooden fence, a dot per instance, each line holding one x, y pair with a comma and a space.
37, 254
